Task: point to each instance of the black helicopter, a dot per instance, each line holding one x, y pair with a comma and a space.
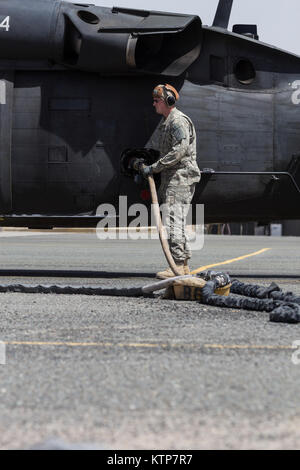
75, 92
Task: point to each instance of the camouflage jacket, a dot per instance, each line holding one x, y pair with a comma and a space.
177, 145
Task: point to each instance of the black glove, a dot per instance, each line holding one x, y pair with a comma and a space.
146, 171
136, 164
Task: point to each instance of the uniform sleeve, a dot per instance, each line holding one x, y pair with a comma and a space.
179, 134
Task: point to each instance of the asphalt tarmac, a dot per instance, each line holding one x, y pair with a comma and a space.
124, 373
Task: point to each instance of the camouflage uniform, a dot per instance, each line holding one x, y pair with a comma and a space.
179, 175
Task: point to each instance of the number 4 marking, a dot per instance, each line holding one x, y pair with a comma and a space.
5, 23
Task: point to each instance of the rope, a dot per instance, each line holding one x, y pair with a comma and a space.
283, 307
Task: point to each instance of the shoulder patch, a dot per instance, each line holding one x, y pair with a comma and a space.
180, 128
179, 132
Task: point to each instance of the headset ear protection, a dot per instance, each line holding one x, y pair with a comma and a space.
170, 95
167, 93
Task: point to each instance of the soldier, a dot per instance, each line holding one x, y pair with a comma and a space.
179, 172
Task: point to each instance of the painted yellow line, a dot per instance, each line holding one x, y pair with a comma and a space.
247, 346
82, 344
229, 261
153, 345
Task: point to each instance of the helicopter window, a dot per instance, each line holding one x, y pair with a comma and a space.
88, 17
244, 71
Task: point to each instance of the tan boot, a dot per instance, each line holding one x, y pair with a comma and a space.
169, 273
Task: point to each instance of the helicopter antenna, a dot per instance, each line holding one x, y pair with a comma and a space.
223, 13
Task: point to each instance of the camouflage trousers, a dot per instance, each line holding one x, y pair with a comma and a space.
175, 203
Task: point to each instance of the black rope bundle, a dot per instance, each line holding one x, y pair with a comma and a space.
283, 306
271, 292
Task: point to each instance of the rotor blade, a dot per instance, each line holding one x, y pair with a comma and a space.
223, 13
